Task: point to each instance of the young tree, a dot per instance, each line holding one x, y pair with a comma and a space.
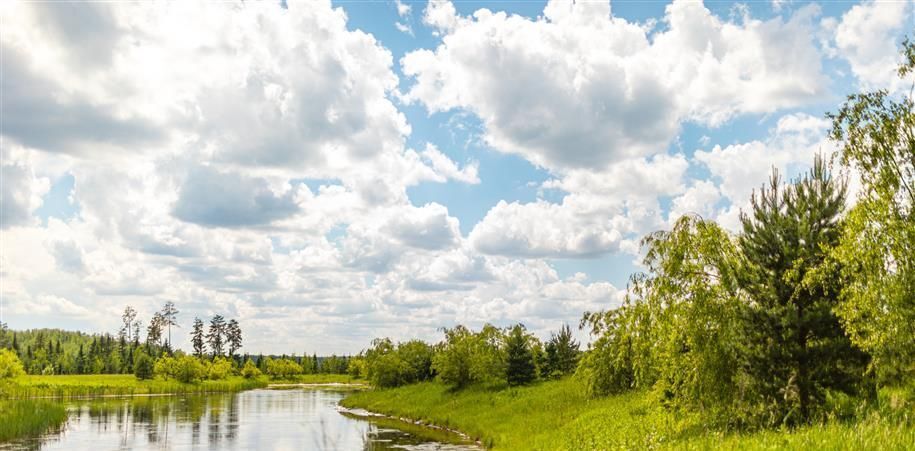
562, 352
198, 339
143, 366
876, 255
796, 348
216, 335
519, 361
233, 337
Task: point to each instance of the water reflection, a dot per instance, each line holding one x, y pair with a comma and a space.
258, 419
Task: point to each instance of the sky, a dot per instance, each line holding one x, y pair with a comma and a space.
328, 172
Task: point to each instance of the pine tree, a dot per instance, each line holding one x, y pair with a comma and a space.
796, 348
233, 337
216, 335
197, 338
519, 368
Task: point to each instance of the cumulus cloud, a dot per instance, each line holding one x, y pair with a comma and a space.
22, 190
588, 90
867, 37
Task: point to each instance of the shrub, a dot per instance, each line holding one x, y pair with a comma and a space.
10, 365
283, 368
250, 370
466, 357
219, 368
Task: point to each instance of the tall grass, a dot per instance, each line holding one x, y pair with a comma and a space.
23, 418
63, 387
557, 415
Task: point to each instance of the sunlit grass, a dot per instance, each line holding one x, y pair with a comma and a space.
557, 416
69, 386
22, 418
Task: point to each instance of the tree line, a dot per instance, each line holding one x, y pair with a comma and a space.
490, 356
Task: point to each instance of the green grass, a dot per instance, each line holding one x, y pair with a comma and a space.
23, 418
557, 416
68, 386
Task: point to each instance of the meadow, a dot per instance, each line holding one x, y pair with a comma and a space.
557, 415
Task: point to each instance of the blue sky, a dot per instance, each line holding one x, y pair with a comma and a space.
329, 172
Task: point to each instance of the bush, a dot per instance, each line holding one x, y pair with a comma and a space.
250, 370
185, 369
143, 366
283, 368
219, 368
10, 365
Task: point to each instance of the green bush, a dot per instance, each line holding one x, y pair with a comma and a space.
250, 370
10, 365
283, 368
220, 368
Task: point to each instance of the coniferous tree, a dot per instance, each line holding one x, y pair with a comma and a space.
519, 359
564, 350
198, 340
216, 335
169, 318
796, 347
233, 337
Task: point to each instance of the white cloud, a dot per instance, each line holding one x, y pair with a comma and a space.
588, 90
867, 36
22, 190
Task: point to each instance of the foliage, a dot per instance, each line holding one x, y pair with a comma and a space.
69, 386
10, 365
183, 368
283, 368
390, 365
233, 337
876, 254
144, 367
466, 357
519, 360
220, 368
250, 370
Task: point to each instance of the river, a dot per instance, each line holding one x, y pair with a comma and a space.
291, 419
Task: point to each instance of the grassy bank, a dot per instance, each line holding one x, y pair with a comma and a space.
24, 387
21, 418
70, 386
557, 416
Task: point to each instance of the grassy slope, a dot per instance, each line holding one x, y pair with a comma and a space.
29, 418
556, 415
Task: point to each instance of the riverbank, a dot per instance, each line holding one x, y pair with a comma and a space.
556, 415
98, 385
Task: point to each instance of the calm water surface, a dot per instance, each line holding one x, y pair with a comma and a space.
257, 419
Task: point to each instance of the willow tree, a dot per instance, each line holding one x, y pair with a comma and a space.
876, 136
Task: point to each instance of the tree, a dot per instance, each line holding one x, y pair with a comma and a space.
216, 334
233, 337
127, 319
154, 330
561, 353
169, 318
876, 254
796, 348
143, 366
465, 357
519, 361
198, 338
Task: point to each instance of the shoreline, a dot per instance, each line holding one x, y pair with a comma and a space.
366, 414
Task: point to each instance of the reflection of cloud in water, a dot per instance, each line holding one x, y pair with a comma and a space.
257, 419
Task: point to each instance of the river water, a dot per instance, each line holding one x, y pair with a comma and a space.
293, 419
